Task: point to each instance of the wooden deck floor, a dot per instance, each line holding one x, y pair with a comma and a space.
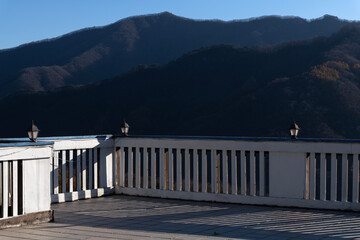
124, 217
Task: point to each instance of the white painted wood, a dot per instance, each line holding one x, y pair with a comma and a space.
322, 176
252, 173
178, 170
121, 169
233, 172
229, 198
96, 168
333, 177
344, 176
213, 170
5, 189
312, 172
83, 168
78, 170
63, 170
243, 172
56, 172
78, 195
15, 188
187, 170
25, 153
71, 170
203, 171
171, 169
153, 168
261, 174
195, 170
130, 167
249, 145
162, 168
146, 168
225, 172
355, 195
137, 167
91, 170
82, 143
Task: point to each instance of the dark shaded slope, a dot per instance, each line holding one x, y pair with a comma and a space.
93, 54
219, 90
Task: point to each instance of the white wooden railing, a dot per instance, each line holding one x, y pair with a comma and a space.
282, 172
81, 167
24, 180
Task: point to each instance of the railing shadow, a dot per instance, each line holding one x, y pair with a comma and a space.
204, 219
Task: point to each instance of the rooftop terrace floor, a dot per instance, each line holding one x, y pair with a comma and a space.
125, 217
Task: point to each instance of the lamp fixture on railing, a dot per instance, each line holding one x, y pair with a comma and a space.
125, 128
294, 130
33, 132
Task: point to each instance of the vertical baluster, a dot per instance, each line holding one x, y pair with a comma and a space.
344, 175
71, 171
171, 169
121, 167
312, 172
213, 170
153, 168
146, 168
355, 195
166, 166
78, 168
178, 170
137, 167
130, 167
83, 173
195, 170
252, 173
225, 171
162, 168
56, 173
262, 173
187, 170
233, 172
5, 188
15, 189
63, 170
96, 165
203, 171
243, 172
333, 177
322, 177
91, 168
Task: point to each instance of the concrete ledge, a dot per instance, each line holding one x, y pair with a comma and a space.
27, 219
86, 194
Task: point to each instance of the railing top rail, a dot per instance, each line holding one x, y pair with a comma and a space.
7, 140
23, 144
254, 139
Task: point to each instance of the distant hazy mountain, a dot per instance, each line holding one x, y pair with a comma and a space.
96, 53
218, 90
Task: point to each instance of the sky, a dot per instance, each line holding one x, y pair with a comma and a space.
23, 21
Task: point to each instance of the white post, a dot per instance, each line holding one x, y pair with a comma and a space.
71, 171
195, 170
83, 172
243, 172
323, 176
225, 171
203, 171
344, 175
15, 189
233, 172
187, 170
153, 168
171, 169
355, 195
63, 171
137, 168
333, 190
146, 168
262, 173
